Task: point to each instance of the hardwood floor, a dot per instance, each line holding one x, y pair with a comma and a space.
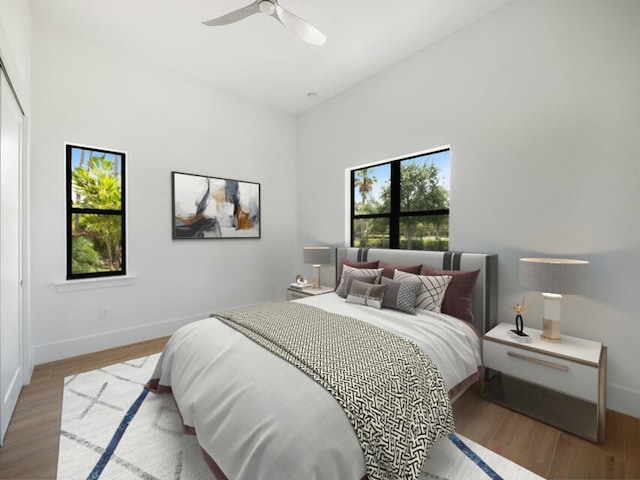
547, 451
30, 449
31, 445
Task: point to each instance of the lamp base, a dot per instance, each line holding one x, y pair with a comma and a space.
316, 276
551, 330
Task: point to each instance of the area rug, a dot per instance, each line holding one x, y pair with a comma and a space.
112, 429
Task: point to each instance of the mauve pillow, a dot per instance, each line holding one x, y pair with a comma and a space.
457, 298
388, 269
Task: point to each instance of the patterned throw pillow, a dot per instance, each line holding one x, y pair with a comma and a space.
354, 264
348, 271
363, 278
432, 289
364, 293
400, 295
459, 296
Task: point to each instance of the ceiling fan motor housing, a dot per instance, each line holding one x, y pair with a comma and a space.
267, 7
296, 25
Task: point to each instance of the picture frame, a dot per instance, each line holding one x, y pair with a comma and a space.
205, 207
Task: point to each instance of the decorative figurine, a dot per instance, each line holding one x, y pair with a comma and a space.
520, 309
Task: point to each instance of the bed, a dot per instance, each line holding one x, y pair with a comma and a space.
265, 404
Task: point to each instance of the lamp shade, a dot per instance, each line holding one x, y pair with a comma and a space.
554, 275
317, 255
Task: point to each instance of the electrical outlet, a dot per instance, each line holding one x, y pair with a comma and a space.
104, 313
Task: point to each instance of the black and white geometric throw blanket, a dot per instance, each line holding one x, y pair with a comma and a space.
390, 389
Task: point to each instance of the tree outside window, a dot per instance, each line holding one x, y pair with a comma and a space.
403, 203
95, 212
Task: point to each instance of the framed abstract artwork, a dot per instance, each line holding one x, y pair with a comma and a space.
210, 207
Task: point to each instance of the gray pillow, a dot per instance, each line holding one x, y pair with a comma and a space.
362, 278
364, 293
400, 295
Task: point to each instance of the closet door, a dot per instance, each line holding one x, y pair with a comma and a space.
10, 254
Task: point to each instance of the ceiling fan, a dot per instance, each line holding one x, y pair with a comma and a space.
296, 25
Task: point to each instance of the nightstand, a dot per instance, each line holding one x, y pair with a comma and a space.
562, 384
293, 293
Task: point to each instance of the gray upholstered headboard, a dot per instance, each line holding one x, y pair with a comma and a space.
485, 297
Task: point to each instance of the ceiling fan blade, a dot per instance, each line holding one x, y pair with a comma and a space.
299, 27
235, 16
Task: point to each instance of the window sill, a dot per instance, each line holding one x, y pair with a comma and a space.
95, 283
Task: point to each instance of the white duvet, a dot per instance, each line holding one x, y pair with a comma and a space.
259, 418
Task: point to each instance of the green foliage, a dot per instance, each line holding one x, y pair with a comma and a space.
420, 191
420, 188
85, 258
97, 185
425, 243
372, 232
419, 243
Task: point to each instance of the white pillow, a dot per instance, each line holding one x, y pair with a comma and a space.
432, 289
347, 271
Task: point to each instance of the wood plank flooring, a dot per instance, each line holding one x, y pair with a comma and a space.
31, 445
30, 449
547, 451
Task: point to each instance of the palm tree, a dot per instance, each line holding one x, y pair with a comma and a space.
97, 186
364, 182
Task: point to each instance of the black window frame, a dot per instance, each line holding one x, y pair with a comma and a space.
394, 214
72, 210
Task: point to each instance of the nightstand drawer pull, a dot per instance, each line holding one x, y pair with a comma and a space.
557, 366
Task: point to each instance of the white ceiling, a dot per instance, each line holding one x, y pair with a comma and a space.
258, 57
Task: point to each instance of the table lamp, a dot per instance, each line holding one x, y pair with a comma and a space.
553, 277
317, 256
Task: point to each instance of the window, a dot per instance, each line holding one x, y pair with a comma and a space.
402, 204
95, 212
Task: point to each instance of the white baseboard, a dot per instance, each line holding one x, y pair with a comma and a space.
79, 346
623, 400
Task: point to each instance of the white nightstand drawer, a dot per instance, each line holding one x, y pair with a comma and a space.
562, 384
549, 371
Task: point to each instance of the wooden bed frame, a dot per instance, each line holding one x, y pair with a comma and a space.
485, 297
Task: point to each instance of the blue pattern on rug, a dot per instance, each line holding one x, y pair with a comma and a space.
154, 423
117, 436
473, 457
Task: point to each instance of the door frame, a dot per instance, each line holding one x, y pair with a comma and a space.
24, 333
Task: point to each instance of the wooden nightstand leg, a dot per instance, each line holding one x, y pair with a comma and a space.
602, 395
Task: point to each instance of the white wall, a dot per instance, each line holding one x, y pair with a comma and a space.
15, 47
541, 106
88, 94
